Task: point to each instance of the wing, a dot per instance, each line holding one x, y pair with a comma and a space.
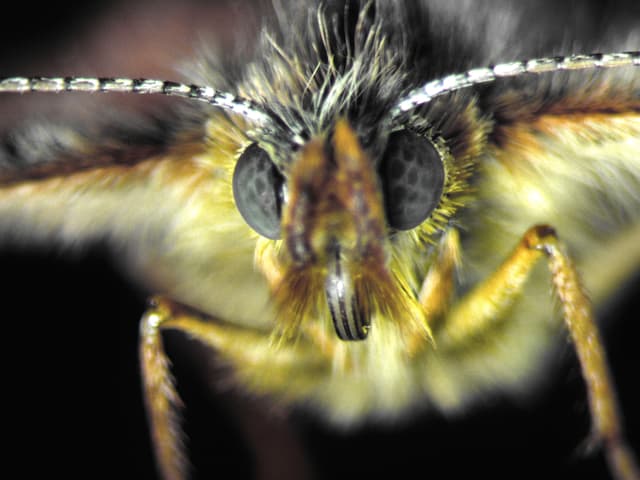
159, 197
564, 150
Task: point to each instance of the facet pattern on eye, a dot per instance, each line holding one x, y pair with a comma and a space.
413, 178
256, 190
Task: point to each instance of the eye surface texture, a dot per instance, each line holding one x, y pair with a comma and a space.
413, 178
257, 190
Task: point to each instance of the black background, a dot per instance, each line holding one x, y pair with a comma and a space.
71, 392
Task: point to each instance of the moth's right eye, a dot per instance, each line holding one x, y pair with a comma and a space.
258, 191
413, 179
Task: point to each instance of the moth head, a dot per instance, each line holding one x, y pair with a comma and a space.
336, 209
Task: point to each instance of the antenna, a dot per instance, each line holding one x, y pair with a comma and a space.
143, 86
477, 76
254, 113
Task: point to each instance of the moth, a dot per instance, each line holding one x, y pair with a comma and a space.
277, 225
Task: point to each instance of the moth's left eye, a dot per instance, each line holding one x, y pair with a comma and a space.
257, 190
412, 176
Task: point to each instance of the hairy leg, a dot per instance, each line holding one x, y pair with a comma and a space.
249, 351
489, 301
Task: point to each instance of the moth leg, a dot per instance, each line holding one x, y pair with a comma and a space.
438, 286
161, 398
487, 303
251, 353
244, 346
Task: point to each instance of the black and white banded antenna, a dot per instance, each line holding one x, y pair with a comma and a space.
262, 118
143, 86
451, 83
229, 102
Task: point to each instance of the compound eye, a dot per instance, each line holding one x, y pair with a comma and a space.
257, 190
413, 179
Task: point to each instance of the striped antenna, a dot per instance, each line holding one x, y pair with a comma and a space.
452, 83
252, 112
226, 101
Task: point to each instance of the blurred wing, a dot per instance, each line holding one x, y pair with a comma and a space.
566, 151
59, 185
161, 201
